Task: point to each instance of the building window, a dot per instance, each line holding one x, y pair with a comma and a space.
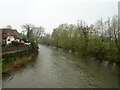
8, 39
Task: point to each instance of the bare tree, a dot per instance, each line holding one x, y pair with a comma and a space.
29, 28
38, 32
33, 32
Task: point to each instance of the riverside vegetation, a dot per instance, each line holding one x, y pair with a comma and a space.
13, 61
98, 40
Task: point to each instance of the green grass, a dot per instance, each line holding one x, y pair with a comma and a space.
8, 67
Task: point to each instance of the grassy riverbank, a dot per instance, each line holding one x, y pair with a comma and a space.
14, 60
10, 66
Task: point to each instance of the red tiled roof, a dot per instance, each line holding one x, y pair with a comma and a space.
16, 34
9, 32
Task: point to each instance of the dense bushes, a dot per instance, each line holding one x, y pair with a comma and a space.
15, 43
14, 47
99, 40
34, 46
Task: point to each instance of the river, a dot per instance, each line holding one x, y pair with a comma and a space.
54, 68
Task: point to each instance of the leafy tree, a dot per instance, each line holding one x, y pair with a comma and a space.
99, 40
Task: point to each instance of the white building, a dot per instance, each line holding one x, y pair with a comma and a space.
9, 35
9, 39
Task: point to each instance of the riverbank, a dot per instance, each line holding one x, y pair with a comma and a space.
86, 40
80, 54
10, 66
16, 59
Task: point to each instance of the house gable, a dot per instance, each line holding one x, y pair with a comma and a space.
9, 35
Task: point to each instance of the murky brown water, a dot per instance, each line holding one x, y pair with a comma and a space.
58, 69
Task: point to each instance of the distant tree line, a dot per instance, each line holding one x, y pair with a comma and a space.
99, 39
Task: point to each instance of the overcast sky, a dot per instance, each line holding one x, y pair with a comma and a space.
51, 13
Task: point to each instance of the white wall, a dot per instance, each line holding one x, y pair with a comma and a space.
9, 39
18, 40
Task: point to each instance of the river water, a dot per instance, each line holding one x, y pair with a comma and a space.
54, 68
